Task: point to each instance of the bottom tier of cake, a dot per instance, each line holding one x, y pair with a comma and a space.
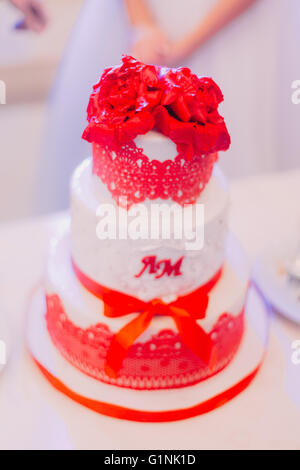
159, 358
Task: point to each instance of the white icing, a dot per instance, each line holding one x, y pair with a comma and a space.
156, 146
115, 262
84, 309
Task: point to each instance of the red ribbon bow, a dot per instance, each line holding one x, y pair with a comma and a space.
185, 311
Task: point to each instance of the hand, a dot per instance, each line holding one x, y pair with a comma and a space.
35, 17
150, 45
179, 50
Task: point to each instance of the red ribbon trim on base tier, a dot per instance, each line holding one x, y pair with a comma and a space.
120, 412
185, 311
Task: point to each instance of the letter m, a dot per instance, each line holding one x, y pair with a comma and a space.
168, 268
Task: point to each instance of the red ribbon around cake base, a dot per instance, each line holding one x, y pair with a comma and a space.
185, 312
120, 412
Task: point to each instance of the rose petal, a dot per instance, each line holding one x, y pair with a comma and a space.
140, 124
180, 108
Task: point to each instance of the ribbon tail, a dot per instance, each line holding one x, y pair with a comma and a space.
122, 341
196, 339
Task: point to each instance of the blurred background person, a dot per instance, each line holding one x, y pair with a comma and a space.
28, 63
241, 55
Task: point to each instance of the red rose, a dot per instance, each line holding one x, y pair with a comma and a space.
122, 103
134, 98
189, 113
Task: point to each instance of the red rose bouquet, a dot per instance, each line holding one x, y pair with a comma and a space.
134, 98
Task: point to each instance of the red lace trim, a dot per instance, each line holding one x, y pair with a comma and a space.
162, 362
127, 172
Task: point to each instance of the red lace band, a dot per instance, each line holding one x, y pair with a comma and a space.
184, 311
132, 177
160, 362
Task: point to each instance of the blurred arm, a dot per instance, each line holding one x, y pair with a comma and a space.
149, 43
139, 13
217, 18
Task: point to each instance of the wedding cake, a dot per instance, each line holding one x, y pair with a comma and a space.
124, 307
146, 312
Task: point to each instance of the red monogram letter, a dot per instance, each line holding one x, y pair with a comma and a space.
148, 261
168, 268
164, 265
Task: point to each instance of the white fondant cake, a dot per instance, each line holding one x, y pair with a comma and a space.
141, 291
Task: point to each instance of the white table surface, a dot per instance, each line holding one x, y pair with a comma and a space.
266, 415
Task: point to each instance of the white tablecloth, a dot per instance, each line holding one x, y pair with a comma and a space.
266, 415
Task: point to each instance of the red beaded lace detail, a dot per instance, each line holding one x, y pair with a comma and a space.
128, 173
164, 361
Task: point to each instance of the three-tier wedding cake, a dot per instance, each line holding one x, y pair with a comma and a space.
132, 300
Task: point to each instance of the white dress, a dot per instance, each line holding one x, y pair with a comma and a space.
248, 59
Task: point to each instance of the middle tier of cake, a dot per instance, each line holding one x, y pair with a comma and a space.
163, 267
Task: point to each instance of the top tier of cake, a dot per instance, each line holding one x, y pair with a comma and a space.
132, 100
